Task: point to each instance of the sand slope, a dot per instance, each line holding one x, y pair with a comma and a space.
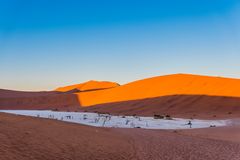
38, 139
4, 93
88, 86
185, 106
181, 95
230, 133
60, 99
46, 102
37, 100
178, 84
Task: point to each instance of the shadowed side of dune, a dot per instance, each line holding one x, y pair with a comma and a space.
63, 101
176, 105
4, 93
195, 106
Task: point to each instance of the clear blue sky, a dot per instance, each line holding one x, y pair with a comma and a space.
45, 44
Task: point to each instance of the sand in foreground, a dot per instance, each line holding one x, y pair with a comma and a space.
26, 138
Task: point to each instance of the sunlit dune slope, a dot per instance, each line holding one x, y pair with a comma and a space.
89, 86
177, 84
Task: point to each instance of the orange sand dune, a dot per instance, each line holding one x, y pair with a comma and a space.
89, 86
177, 84
180, 95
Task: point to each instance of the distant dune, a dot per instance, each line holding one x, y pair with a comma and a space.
60, 99
88, 86
177, 84
4, 93
177, 94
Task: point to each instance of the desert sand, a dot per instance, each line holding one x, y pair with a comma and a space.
26, 138
35, 100
88, 86
4, 93
176, 84
229, 133
180, 95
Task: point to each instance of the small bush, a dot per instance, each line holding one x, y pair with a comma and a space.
168, 117
158, 116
